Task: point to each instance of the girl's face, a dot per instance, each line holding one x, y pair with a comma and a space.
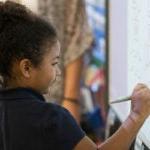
46, 73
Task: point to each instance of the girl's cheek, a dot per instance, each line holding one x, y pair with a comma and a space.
53, 74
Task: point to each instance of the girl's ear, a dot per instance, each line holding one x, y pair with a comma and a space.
26, 67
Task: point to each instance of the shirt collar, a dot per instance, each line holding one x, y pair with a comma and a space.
20, 93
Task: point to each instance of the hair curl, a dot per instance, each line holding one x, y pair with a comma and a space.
22, 35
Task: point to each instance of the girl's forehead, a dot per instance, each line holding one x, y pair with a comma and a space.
54, 50
55, 45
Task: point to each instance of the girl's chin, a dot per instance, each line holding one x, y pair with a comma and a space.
45, 91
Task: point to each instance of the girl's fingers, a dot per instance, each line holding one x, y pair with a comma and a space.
139, 86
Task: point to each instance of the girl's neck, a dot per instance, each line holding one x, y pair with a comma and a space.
10, 83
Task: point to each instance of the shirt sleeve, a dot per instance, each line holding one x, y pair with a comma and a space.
61, 130
70, 132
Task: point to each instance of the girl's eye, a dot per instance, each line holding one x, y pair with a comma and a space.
54, 63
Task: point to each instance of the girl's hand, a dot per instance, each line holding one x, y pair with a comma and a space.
140, 104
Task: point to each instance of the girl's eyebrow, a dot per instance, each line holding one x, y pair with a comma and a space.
57, 57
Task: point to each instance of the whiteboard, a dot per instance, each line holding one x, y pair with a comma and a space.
129, 57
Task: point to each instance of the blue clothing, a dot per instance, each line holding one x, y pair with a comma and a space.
27, 122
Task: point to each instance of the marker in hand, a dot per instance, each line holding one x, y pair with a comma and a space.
121, 100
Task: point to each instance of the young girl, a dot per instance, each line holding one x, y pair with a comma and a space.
29, 56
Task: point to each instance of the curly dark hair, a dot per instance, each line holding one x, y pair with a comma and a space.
22, 35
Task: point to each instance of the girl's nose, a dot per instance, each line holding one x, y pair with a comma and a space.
58, 71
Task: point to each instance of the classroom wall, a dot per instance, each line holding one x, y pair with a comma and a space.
32, 4
118, 56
